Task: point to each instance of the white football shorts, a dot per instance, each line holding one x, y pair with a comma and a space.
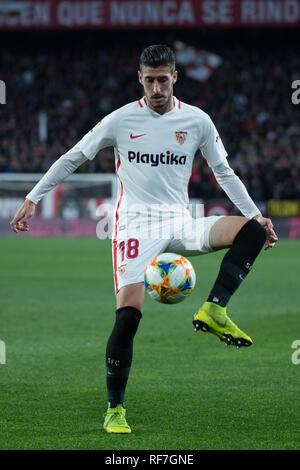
137, 241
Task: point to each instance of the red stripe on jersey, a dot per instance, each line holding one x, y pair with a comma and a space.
116, 227
115, 265
179, 104
140, 103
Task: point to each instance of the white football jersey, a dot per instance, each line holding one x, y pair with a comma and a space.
154, 153
154, 156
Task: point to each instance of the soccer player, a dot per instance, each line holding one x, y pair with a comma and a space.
155, 139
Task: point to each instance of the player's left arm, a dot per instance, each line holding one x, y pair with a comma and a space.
213, 150
238, 194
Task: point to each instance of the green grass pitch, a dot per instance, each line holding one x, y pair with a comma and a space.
187, 390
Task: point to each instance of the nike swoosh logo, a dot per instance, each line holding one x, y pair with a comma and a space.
136, 136
222, 325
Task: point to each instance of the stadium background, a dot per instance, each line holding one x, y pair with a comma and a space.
61, 79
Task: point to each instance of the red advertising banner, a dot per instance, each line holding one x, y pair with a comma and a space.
108, 14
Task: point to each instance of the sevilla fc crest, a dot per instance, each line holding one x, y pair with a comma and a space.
181, 136
122, 269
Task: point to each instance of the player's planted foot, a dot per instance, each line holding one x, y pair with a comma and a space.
115, 421
213, 319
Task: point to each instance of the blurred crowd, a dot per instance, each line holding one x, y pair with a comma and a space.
248, 97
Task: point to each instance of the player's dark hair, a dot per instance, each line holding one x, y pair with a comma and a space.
156, 56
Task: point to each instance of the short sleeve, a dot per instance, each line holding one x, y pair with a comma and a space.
211, 146
101, 136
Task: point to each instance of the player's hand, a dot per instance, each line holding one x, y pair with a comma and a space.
20, 220
267, 224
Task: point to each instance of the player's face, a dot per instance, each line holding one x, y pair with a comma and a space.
158, 87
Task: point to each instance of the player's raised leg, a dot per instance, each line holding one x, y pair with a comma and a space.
119, 354
245, 239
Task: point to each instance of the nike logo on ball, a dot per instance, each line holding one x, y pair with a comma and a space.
136, 136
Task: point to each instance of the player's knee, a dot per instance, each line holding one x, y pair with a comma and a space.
257, 231
127, 320
254, 232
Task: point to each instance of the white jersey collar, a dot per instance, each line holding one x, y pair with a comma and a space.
142, 104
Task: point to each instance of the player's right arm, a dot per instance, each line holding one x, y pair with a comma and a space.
56, 174
101, 136
20, 220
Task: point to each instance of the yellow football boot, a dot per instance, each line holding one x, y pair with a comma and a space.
115, 421
213, 319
